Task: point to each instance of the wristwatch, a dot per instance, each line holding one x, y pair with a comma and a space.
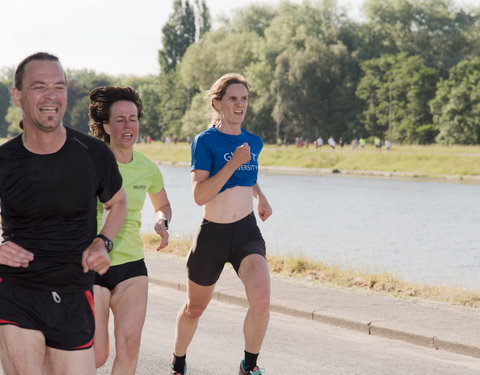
108, 242
165, 222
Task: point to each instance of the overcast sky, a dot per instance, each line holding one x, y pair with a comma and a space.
111, 36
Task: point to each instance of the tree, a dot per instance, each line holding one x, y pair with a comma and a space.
255, 18
306, 72
13, 117
396, 90
437, 30
80, 83
456, 107
151, 123
4, 104
177, 34
203, 18
197, 118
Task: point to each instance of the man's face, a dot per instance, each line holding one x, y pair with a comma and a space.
43, 97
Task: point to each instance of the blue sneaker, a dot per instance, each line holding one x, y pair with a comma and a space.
255, 371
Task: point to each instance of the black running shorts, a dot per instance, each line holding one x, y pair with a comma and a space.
66, 319
116, 274
217, 244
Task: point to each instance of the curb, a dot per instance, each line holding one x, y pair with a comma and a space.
374, 328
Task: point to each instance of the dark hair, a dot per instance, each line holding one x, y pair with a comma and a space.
20, 71
218, 89
101, 100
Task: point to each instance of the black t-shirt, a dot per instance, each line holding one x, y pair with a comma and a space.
48, 206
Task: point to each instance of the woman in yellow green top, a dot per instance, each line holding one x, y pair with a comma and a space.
114, 118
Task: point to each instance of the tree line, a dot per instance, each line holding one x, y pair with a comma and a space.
409, 72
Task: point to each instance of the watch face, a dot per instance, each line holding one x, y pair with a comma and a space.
109, 245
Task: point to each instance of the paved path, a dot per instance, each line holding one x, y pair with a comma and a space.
431, 324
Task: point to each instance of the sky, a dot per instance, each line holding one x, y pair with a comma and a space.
110, 36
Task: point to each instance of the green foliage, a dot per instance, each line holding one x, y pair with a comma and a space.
396, 90
255, 18
4, 104
177, 34
456, 107
186, 24
13, 117
80, 83
437, 30
197, 118
150, 123
407, 72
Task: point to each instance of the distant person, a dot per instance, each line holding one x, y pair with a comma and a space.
50, 179
331, 142
319, 142
362, 142
388, 145
224, 171
355, 143
115, 113
341, 142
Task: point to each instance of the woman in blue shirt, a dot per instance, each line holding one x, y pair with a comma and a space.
224, 171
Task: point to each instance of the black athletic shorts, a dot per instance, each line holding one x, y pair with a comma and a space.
217, 244
66, 319
121, 272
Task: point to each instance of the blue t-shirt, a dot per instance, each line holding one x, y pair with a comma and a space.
212, 149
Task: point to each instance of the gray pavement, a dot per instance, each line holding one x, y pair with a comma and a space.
435, 325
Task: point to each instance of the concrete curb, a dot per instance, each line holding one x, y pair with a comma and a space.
374, 328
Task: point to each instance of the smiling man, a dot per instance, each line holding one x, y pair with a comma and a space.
50, 178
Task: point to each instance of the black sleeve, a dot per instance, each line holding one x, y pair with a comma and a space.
110, 179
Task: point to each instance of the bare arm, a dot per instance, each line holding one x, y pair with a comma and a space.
263, 207
162, 208
206, 188
95, 256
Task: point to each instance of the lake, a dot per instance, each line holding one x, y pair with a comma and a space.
419, 231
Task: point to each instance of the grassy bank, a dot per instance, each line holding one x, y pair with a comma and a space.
454, 163
306, 270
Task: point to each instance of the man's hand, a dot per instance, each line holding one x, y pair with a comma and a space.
95, 257
14, 255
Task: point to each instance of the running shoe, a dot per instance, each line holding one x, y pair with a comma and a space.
256, 370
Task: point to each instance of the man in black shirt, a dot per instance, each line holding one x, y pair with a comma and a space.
50, 179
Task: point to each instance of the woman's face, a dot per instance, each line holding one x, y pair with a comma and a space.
233, 106
123, 124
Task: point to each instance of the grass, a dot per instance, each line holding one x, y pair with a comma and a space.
435, 161
314, 272
452, 162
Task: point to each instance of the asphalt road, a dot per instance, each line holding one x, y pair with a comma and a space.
292, 346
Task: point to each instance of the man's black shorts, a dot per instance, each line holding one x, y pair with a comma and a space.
117, 274
66, 319
217, 244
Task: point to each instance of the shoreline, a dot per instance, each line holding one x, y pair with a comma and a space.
471, 179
